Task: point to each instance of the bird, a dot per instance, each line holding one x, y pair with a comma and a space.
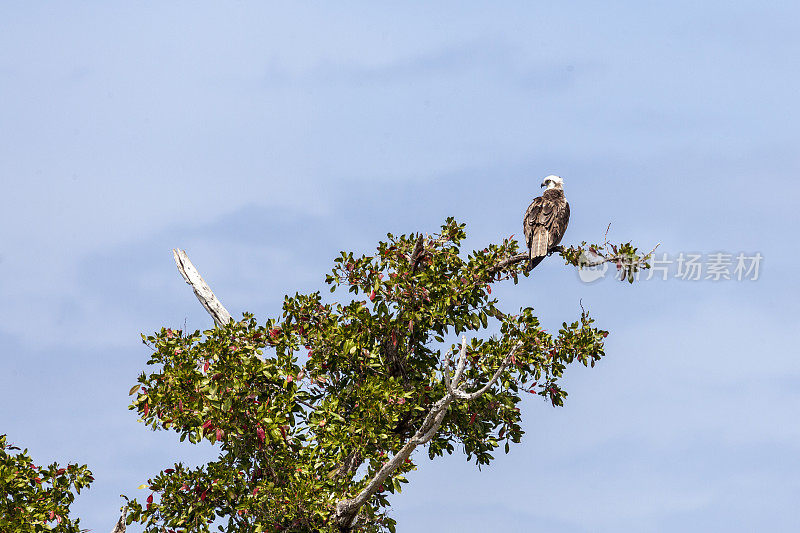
546, 220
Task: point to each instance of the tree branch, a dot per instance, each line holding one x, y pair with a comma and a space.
601, 258
347, 510
120, 525
416, 255
203, 292
508, 261
472, 395
612, 258
462, 360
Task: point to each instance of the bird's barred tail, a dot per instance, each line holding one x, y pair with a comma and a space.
539, 242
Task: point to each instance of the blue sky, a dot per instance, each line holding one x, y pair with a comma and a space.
263, 138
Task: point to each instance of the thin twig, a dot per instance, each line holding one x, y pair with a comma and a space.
645, 257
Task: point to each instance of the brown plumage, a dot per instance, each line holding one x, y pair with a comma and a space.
546, 220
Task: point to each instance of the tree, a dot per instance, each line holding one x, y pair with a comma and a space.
36, 498
317, 412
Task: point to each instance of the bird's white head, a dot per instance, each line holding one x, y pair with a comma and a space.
553, 182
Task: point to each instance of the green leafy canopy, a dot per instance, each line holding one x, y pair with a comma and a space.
37, 498
308, 406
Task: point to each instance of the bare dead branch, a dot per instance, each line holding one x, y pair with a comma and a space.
201, 289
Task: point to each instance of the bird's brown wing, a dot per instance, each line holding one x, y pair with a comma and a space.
559, 224
529, 221
540, 218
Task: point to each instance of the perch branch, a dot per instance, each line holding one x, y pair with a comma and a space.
508, 261
201, 289
614, 258
600, 259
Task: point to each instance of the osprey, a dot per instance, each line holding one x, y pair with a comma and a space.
546, 220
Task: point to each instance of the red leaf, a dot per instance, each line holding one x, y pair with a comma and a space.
274, 332
220, 434
472, 418
489, 289
150, 499
203, 495
255, 490
208, 424
372, 296
260, 433
52, 515
205, 366
146, 408
169, 470
60, 471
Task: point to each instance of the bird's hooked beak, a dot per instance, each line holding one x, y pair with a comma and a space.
542, 185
